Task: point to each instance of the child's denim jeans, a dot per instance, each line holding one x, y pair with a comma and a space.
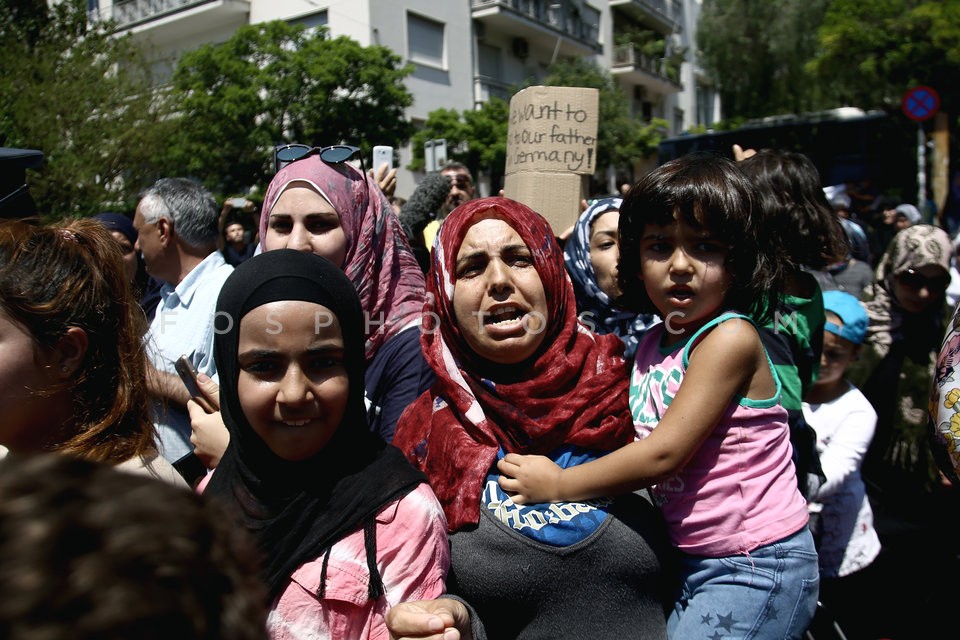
769, 594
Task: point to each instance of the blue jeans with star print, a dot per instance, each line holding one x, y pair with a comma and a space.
770, 593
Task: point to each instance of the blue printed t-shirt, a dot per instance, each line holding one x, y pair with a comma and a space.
559, 524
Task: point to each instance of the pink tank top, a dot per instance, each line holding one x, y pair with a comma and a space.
739, 491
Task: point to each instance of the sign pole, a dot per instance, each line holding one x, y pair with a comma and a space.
921, 166
921, 103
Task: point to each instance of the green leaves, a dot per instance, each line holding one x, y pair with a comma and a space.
80, 95
273, 83
756, 52
478, 138
790, 56
872, 52
621, 139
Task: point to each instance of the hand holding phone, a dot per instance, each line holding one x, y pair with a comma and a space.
188, 374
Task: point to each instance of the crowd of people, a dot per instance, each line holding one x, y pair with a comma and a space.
440, 417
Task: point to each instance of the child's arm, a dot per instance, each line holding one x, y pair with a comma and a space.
728, 362
846, 450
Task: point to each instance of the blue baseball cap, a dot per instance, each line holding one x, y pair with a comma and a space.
851, 313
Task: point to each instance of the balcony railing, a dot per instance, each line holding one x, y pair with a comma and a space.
486, 88
626, 55
672, 9
582, 23
668, 14
127, 12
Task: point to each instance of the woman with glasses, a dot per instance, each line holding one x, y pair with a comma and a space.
320, 204
906, 308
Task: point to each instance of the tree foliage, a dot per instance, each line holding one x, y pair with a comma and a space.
273, 83
790, 56
872, 51
477, 138
755, 50
621, 139
82, 96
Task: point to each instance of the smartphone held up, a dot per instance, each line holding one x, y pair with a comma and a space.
188, 374
382, 154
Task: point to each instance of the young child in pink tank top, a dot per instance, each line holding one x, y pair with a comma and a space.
712, 437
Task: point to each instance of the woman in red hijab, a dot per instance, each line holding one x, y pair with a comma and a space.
517, 372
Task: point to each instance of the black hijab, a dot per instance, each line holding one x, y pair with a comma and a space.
298, 510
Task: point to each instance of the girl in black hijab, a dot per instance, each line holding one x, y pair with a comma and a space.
326, 500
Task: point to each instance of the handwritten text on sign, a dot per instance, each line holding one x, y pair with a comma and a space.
552, 134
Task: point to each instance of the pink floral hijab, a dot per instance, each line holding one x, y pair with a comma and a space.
378, 261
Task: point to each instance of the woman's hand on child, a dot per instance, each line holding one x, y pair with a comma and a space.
441, 619
529, 479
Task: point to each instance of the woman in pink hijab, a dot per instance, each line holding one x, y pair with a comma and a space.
331, 210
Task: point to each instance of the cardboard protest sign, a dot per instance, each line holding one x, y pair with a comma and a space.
552, 150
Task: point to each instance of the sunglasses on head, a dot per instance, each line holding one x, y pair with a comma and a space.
284, 154
915, 280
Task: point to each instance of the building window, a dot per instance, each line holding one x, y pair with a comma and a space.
425, 42
705, 106
488, 63
313, 21
677, 120
646, 111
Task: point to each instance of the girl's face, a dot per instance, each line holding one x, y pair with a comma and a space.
917, 289
293, 385
498, 299
25, 373
604, 251
302, 219
684, 273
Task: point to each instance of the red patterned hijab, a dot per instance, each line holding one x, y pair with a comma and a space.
379, 261
572, 391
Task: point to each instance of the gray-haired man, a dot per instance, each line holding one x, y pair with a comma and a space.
176, 220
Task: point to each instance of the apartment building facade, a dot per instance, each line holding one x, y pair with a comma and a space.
465, 51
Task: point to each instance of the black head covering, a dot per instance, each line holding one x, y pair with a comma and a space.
15, 198
297, 510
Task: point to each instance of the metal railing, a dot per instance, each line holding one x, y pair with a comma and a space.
582, 23
672, 9
486, 88
626, 55
129, 11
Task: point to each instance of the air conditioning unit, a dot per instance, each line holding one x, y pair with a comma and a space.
521, 48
